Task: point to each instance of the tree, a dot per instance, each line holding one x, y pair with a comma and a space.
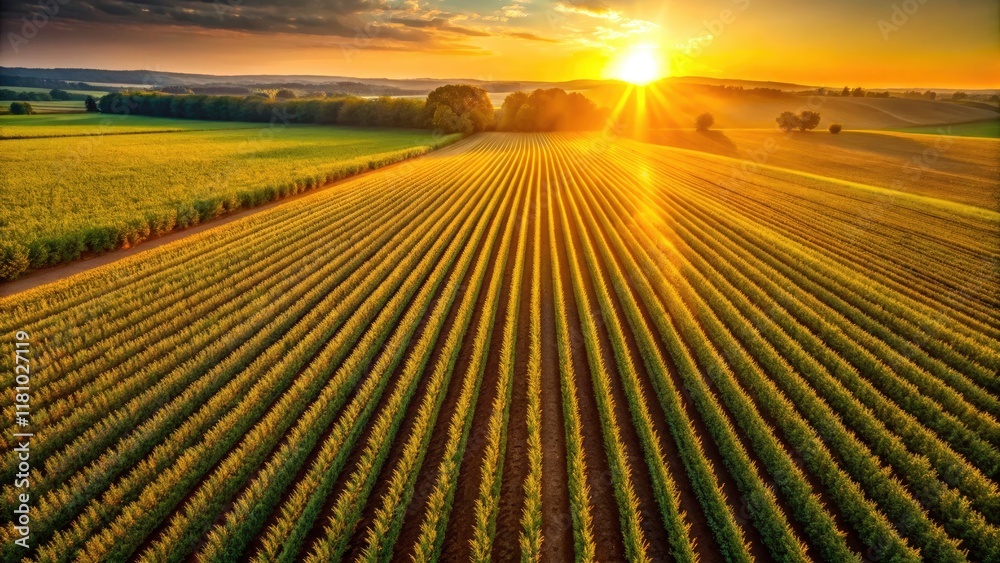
836, 128
549, 110
58, 94
788, 121
508, 111
21, 108
959, 96
858, 92
285, 94
466, 102
930, 95
704, 121
846, 92
808, 120
450, 122
91, 103
526, 118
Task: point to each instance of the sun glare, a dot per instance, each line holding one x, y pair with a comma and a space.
638, 65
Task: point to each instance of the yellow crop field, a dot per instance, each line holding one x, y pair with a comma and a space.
528, 346
79, 185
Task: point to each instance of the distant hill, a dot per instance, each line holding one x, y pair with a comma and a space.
424, 85
675, 105
149, 78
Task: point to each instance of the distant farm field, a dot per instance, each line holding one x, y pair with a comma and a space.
985, 128
79, 124
523, 346
61, 197
946, 167
94, 93
54, 107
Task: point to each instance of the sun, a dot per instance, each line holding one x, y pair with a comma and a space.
638, 65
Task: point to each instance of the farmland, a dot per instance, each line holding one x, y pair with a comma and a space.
108, 186
944, 166
985, 128
523, 346
85, 124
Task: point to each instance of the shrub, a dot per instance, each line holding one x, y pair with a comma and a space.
788, 121
21, 108
13, 260
805, 120
808, 120
836, 128
704, 121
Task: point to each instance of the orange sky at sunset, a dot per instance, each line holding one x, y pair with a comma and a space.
939, 43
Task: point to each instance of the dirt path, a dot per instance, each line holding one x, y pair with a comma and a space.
43, 276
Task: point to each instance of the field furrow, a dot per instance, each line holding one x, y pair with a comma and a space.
535, 347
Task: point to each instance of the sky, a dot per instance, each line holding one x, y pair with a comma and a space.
872, 43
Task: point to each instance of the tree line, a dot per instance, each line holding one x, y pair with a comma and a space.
375, 112
550, 110
454, 108
52, 95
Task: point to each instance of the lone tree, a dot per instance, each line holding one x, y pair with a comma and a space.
836, 128
466, 102
847, 92
808, 120
959, 96
21, 108
704, 121
91, 103
788, 121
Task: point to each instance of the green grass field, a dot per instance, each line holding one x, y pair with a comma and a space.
58, 106
985, 128
523, 344
76, 124
63, 196
94, 93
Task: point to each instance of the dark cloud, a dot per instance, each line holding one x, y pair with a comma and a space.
379, 24
337, 17
530, 37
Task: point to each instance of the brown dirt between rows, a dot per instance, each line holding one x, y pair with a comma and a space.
606, 519
373, 502
461, 522
651, 521
506, 545
162, 525
557, 522
853, 541
350, 465
428, 472
382, 482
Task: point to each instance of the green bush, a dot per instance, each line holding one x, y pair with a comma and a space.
21, 108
